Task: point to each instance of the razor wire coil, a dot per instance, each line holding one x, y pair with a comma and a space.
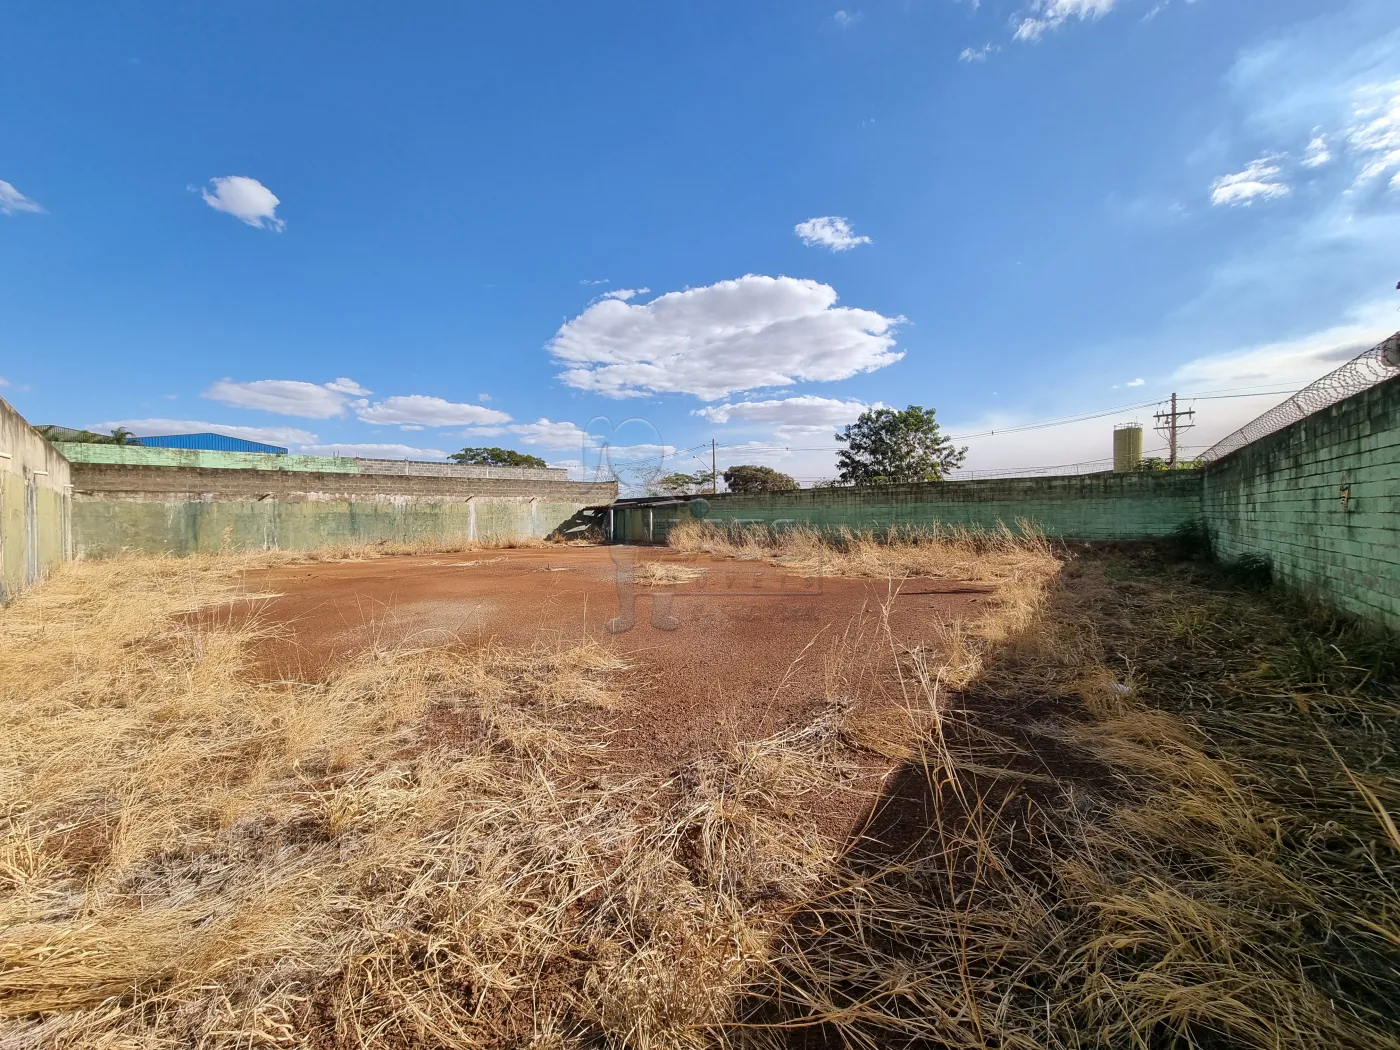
1365, 370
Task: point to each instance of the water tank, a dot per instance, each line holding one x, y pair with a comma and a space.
1127, 446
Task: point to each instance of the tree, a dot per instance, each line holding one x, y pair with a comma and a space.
680, 484
748, 478
496, 457
887, 446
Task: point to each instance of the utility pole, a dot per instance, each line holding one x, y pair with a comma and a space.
714, 474
1170, 424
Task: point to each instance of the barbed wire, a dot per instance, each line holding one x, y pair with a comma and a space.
1362, 372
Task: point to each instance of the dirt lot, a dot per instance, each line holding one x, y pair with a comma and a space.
750, 647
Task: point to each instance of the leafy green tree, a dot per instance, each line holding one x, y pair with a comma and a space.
748, 478
496, 457
681, 484
886, 445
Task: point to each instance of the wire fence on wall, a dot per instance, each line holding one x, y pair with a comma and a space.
1365, 370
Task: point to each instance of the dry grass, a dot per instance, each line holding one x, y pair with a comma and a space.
666, 574
995, 556
1139, 811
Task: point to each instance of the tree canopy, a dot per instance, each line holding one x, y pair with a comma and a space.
887, 445
682, 484
749, 478
496, 457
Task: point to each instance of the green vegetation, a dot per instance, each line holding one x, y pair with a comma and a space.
496, 457
749, 479
887, 446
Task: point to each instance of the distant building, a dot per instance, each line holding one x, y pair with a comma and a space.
209, 443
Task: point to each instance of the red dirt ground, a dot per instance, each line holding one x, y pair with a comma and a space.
752, 649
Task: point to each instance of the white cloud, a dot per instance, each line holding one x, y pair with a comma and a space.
977, 54
288, 397
348, 386
625, 293
1043, 15
1317, 153
846, 19
1256, 182
483, 397
755, 331
427, 411
548, 434
4, 381
829, 231
1374, 131
1135, 382
1293, 362
12, 201
373, 450
807, 411
286, 436
245, 199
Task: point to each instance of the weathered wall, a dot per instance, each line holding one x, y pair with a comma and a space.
198, 510
1280, 498
34, 504
1086, 506
204, 459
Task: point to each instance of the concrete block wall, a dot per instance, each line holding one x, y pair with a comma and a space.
1086, 506
204, 459
204, 510
1281, 498
35, 532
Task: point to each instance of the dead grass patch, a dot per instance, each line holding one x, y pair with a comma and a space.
665, 574
1145, 811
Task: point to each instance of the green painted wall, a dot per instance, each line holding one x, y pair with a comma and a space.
35, 533
1086, 506
1280, 498
140, 456
105, 527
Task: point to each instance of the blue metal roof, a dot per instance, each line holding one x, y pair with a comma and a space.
210, 443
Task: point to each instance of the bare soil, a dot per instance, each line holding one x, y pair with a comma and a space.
752, 648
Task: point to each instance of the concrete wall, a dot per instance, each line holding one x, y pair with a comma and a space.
1280, 498
34, 505
141, 456
1085, 506
207, 509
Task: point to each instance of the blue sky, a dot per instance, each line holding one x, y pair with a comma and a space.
407, 228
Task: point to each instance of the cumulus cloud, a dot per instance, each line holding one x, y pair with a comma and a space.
829, 231
1259, 181
286, 436
754, 331
426, 411
374, 450
818, 413
977, 54
1135, 382
1044, 15
247, 200
548, 434
288, 397
12, 201
625, 293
